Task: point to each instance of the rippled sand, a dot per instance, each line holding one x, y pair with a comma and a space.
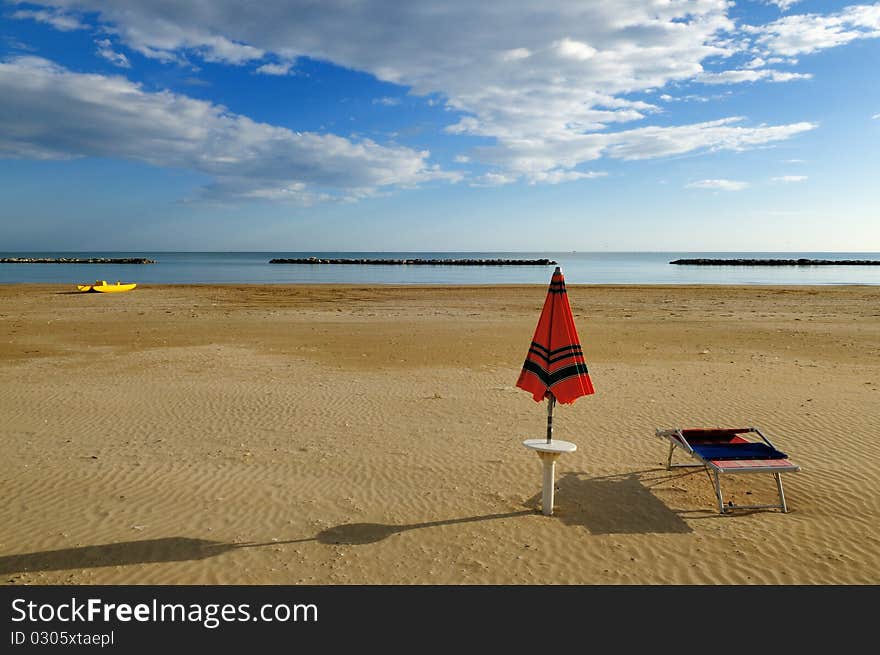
337, 435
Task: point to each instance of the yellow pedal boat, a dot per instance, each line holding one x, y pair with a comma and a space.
102, 287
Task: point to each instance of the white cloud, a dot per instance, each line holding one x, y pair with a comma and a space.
875, 116
689, 98
15, 44
386, 101
557, 176
718, 185
784, 5
723, 134
806, 33
534, 159
57, 19
569, 49
493, 179
105, 50
783, 76
789, 178
515, 54
555, 71
221, 49
281, 68
49, 112
544, 82
750, 75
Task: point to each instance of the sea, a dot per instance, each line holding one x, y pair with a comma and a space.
578, 267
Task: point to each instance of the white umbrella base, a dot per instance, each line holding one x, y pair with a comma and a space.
548, 454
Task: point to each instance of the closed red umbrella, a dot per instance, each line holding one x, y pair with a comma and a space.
555, 368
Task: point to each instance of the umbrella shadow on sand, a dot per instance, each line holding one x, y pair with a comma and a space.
613, 504
147, 551
181, 549
355, 534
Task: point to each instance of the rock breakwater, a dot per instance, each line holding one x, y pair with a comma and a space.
777, 262
419, 262
75, 260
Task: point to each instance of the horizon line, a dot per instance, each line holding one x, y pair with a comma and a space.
555, 252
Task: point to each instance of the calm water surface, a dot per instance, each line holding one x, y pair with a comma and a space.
579, 268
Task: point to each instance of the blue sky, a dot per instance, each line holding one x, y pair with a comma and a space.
440, 125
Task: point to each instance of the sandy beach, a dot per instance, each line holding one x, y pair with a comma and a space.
372, 435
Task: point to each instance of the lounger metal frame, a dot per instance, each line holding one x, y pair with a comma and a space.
715, 468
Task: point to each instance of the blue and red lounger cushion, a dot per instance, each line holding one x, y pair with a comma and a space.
715, 435
744, 450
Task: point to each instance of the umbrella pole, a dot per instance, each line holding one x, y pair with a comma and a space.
551, 402
549, 461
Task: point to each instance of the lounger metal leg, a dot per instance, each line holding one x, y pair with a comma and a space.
670, 465
718, 492
725, 509
781, 493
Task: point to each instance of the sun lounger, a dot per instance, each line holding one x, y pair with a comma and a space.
726, 450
